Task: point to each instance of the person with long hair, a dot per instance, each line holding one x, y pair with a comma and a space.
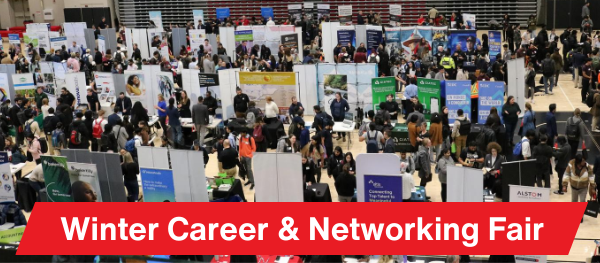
493, 119
442, 165
349, 159
271, 111
315, 153
446, 130
528, 119
138, 113
184, 105
134, 86
436, 135
174, 123
492, 163
130, 170
345, 184
510, 114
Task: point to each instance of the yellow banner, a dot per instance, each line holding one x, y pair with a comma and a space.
268, 78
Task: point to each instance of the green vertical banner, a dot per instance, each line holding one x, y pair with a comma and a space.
56, 175
429, 96
380, 88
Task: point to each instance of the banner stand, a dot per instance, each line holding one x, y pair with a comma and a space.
374, 164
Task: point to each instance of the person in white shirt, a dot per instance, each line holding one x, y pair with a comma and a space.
271, 111
193, 64
526, 145
408, 183
131, 65
270, 22
123, 57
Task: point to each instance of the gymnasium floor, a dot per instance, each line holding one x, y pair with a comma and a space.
567, 99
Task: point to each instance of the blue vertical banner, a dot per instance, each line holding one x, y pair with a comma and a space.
198, 16
374, 38
383, 188
156, 17
458, 97
222, 13
345, 36
491, 94
495, 40
157, 185
392, 40
266, 12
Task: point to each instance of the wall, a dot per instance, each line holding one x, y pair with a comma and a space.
88, 3
7, 17
36, 9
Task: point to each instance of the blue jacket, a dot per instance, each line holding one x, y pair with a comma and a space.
293, 110
528, 122
173, 114
304, 137
578, 60
551, 124
339, 109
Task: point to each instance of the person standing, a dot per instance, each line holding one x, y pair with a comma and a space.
339, 107
442, 166
271, 111
345, 184
228, 158
93, 102
528, 118
200, 119
460, 131
240, 103
392, 107
211, 103
585, 10
34, 147
510, 115
574, 131
542, 153
586, 79
39, 96
124, 103
562, 156
552, 130
161, 108
174, 123
548, 71
247, 149
50, 123
424, 161
581, 178
295, 107
595, 111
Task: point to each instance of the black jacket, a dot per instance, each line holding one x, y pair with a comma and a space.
334, 165
563, 156
12, 113
308, 172
543, 153
126, 102
212, 104
50, 124
345, 184
240, 102
137, 54
80, 127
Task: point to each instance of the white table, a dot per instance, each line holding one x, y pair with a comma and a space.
188, 123
15, 168
342, 127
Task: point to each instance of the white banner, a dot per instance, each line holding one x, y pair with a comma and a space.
198, 16
76, 85
24, 85
43, 41
56, 43
527, 194
344, 10
7, 187
84, 176
101, 44
4, 87
156, 17
396, 10
469, 21
197, 37
105, 83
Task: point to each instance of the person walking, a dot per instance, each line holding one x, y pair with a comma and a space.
424, 162
528, 119
574, 131
581, 178
562, 156
510, 114
175, 124
247, 149
200, 119
442, 168
542, 153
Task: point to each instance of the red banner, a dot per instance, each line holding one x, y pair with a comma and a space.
301, 228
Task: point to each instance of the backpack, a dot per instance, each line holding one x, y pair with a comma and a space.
28, 127
573, 129
258, 134
57, 136
43, 145
465, 127
118, 57
517, 151
548, 67
372, 59
97, 129
130, 146
595, 63
372, 146
589, 101
107, 143
75, 137
379, 121
486, 136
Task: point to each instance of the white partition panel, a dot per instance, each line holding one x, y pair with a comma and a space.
307, 91
361, 34
328, 38
374, 163
516, 79
266, 181
145, 157
129, 42
191, 84
181, 175
289, 174
140, 37
195, 160
153, 157
227, 81
227, 38
464, 184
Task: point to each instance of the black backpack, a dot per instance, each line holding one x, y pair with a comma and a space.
43, 145
573, 129
372, 145
486, 136
589, 101
465, 127
118, 57
548, 67
108, 142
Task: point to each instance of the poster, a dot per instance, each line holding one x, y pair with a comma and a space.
401, 138
14, 39
458, 96
156, 17
290, 41
157, 185
24, 85
75, 83
7, 187
309, 10
56, 176
43, 41
243, 38
520, 193
281, 86
346, 35
105, 83
495, 39
197, 37
84, 177
208, 79
101, 44
295, 11
333, 84
345, 14
165, 85
460, 37
30, 39
198, 16
469, 21
409, 37
381, 87
12, 235
439, 39
491, 94
374, 38
56, 43
4, 157
383, 188
322, 10
395, 12
392, 41
4, 87
429, 96
136, 86
266, 12
222, 13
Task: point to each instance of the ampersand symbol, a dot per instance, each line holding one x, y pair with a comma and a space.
287, 223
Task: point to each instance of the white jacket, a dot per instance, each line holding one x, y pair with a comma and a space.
271, 110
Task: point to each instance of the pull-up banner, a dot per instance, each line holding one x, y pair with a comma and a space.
345, 14
395, 12
295, 11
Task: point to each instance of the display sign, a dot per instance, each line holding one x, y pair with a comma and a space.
529, 194
469, 21
374, 37
401, 138
208, 79
11, 235
458, 97
243, 35
157, 185
105, 83
395, 12
429, 96
222, 13
7, 187
295, 11
495, 38
290, 41
24, 85
345, 36
56, 43
84, 177
75, 83
156, 17
491, 94
197, 37
322, 10
383, 188
281, 86
266, 12
14, 39
345, 14
198, 16
4, 87
380, 88
56, 177
101, 44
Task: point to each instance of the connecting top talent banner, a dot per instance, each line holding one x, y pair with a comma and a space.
495, 43
491, 94
458, 97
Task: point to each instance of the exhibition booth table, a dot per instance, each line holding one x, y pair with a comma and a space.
235, 189
15, 168
262, 259
346, 127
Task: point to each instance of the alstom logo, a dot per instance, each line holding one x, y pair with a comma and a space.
529, 194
